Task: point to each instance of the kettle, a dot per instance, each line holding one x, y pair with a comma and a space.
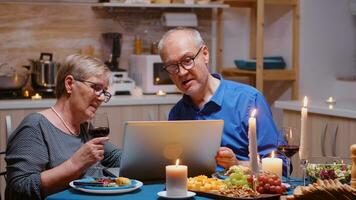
44, 72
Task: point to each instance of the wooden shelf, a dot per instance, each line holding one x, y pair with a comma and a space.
257, 24
251, 3
268, 74
159, 5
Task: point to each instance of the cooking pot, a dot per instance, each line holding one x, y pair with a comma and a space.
12, 79
44, 72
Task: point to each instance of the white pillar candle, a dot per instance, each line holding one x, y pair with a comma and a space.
304, 147
176, 180
273, 165
252, 147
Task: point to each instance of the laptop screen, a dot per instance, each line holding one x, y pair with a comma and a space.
151, 145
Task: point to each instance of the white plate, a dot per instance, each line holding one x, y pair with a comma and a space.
116, 190
164, 195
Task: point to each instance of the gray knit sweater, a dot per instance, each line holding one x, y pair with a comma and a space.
37, 145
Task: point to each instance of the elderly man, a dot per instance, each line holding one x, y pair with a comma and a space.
209, 96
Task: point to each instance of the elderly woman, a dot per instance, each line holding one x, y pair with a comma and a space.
52, 147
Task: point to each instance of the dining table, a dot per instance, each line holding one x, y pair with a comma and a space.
149, 190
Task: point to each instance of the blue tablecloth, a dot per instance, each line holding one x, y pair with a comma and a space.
147, 191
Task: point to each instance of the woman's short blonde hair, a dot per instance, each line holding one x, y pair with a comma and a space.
80, 67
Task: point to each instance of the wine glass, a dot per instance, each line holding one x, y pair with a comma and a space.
98, 126
288, 144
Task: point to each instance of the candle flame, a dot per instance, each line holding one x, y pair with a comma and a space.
177, 162
272, 154
305, 101
342, 161
331, 107
331, 99
253, 113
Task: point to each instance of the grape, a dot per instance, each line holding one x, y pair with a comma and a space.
279, 190
277, 182
238, 177
267, 186
268, 183
262, 179
271, 184
250, 179
260, 189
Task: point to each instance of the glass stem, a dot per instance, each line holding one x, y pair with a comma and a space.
288, 169
303, 164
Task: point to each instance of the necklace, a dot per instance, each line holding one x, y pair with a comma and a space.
64, 122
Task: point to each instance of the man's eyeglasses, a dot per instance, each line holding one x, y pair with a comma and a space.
98, 89
187, 63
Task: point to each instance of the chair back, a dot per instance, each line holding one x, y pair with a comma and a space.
8, 131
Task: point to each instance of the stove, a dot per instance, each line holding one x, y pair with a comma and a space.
12, 94
18, 94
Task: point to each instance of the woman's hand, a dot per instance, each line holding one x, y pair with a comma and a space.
89, 153
226, 158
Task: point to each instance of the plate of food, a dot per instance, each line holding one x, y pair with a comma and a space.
106, 185
337, 170
238, 183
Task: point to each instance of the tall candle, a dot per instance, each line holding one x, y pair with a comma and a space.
252, 147
304, 147
273, 165
176, 180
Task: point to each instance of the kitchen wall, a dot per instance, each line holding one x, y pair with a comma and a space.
27, 29
327, 45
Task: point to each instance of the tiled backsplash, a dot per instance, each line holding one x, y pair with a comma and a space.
28, 29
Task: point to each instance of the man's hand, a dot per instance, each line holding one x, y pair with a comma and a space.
226, 158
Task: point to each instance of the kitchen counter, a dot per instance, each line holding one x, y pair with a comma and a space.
125, 100
342, 108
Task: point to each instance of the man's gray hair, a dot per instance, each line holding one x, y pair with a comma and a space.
198, 40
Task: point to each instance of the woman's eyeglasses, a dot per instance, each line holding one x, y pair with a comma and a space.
187, 63
98, 89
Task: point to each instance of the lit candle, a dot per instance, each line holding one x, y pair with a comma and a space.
330, 100
161, 93
26, 93
36, 97
304, 147
176, 180
272, 164
252, 147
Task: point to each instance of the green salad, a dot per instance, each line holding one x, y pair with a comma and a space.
337, 170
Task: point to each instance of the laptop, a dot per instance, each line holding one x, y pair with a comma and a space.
151, 145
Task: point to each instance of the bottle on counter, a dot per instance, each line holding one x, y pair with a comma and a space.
154, 48
146, 42
138, 45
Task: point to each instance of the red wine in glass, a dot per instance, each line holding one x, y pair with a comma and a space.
99, 125
289, 150
99, 132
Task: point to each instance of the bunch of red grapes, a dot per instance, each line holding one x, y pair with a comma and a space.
269, 184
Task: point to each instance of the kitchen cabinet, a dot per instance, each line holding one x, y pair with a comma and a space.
257, 25
330, 136
117, 114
